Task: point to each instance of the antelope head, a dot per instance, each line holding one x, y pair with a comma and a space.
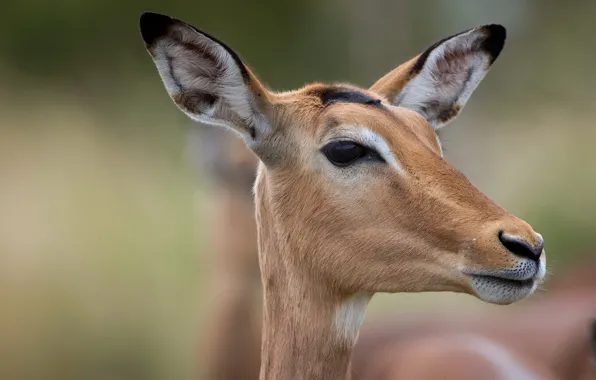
353, 191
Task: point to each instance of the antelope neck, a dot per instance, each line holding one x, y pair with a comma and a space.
308, 332
309, 327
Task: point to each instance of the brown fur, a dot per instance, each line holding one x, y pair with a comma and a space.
392, 83
329, 238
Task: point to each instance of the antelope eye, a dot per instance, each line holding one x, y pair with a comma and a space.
344, 153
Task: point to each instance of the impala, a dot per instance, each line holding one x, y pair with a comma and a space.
352, 195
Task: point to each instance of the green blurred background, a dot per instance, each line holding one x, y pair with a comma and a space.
103, 222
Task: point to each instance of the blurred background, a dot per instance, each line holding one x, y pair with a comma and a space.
105, 229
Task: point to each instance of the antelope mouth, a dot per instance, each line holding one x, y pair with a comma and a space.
502, 291
503, 281
506, 287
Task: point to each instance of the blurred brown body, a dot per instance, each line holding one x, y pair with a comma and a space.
234, 320
548, 338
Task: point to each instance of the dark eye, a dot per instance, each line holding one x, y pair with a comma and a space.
344, 153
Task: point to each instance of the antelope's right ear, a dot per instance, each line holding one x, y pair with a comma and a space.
438, 82
205, 78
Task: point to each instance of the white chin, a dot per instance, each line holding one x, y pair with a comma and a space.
501, 291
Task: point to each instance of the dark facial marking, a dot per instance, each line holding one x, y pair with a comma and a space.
330, 95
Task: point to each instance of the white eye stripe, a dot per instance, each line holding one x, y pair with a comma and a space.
371, 139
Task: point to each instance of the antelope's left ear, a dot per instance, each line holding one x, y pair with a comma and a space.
206, 79
438, 83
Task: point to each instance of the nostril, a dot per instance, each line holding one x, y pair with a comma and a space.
520, 247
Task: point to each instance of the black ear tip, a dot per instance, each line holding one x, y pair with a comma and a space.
153, 26
495, 40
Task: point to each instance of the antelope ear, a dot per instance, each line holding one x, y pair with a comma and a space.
205, 78
438, 83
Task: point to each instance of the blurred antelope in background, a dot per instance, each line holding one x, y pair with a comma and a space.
234, 319
550, 337
353, 196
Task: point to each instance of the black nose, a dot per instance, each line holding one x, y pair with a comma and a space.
520, 247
